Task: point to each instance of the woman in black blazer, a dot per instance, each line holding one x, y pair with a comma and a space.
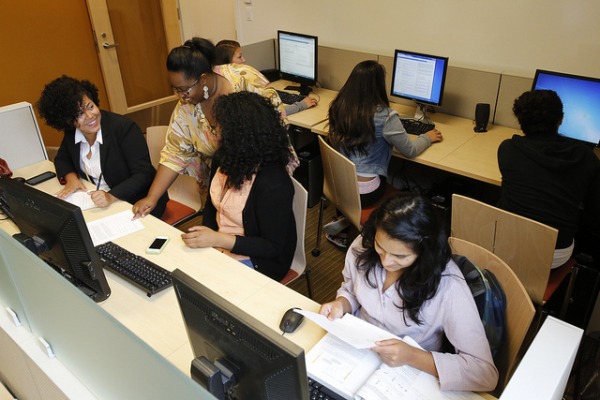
102, 147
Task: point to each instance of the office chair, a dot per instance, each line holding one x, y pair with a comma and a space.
299, 264
524, 244
184, 196
340, 187
519, 308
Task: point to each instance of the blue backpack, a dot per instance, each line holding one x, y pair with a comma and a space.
489, 298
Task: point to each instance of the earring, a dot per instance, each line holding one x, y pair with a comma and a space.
205, 90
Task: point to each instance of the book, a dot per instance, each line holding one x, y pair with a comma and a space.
357, 373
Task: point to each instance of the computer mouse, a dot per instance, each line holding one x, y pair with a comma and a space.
19, 179
290, 321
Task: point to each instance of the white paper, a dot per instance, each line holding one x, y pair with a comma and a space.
81, 199
113, 227
352, 330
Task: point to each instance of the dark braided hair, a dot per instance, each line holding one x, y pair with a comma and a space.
413, 220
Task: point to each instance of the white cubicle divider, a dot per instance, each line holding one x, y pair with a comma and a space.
544, 370
21, 143
101, 353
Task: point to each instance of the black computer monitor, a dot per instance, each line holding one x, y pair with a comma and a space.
419, 77
237, 356
56, 231
298, 59
580, 96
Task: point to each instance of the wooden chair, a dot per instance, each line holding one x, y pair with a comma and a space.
340, 187
524, 244
184, 203
519, 308
299, 264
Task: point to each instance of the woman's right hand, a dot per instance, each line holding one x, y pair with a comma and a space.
333, 309
434, 135
143, 207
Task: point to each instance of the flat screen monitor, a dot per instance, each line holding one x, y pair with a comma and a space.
231, 346
56, 231
419, 77
297, 59
580, 96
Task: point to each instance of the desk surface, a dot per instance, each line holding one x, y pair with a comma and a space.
312, 116
462, 151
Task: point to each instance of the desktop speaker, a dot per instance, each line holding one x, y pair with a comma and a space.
482, 116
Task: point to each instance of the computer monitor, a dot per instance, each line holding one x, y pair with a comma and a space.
237, 356
419, 77
580, 96
298, 59
56, 231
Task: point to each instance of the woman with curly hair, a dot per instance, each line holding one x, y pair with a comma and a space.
191, 137
248, 212
102, 147
399, 276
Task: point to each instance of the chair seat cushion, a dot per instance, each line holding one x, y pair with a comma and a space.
366, 212
290, 276
557, 275
175, 212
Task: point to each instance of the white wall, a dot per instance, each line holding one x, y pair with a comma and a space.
508, 36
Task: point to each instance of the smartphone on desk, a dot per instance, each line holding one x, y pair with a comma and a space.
43, 177
158, 245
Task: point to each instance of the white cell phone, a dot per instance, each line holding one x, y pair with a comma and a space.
158, 245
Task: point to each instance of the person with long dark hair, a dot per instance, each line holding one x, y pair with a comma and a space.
399, 276
248, 213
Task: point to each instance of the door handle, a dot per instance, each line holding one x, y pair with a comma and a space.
107, 45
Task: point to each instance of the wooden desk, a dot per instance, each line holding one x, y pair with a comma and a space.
463, 151
312, 116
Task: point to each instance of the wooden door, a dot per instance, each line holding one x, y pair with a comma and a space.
133, 39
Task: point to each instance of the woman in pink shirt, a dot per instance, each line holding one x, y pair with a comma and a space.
399, 276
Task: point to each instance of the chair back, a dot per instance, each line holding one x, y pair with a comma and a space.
519, 308
300, 206
340, 185
185, 188
527, 246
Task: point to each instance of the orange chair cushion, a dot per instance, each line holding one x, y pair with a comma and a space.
290, 276
175, 212
366, 212
557, 275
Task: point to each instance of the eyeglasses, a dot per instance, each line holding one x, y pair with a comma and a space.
184, 92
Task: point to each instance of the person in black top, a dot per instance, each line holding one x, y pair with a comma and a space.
546, 177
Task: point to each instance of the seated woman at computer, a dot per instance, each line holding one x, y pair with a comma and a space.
191, 137
364, 128
248, 212
230, 52
102, 147
399, 275
545, 177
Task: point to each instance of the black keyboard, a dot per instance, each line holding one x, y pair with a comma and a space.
318, 391
415, 127
143, 273
289, 98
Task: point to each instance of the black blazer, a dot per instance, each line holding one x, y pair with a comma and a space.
124, 159
269, 226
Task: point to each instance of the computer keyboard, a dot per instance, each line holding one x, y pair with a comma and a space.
141, 272
415, 127
290, 98
318, 391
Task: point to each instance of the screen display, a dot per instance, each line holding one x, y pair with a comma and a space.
581, 103
419, 77
298, 57
158, 243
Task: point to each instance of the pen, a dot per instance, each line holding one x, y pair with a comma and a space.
99, 180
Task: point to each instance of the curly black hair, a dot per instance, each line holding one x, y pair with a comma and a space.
252, 135
62, 99
539, 112
412, 219
195, 57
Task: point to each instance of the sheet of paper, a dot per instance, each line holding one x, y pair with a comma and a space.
113, 227
352, 330
80, 199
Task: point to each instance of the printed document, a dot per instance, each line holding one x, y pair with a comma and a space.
113, 227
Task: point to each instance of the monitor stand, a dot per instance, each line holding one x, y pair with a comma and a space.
218, 378
304, 90
421, 113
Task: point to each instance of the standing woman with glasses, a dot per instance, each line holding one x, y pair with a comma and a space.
191, 137
102, 147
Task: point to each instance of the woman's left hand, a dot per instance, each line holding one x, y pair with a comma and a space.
101, 198
202, 236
